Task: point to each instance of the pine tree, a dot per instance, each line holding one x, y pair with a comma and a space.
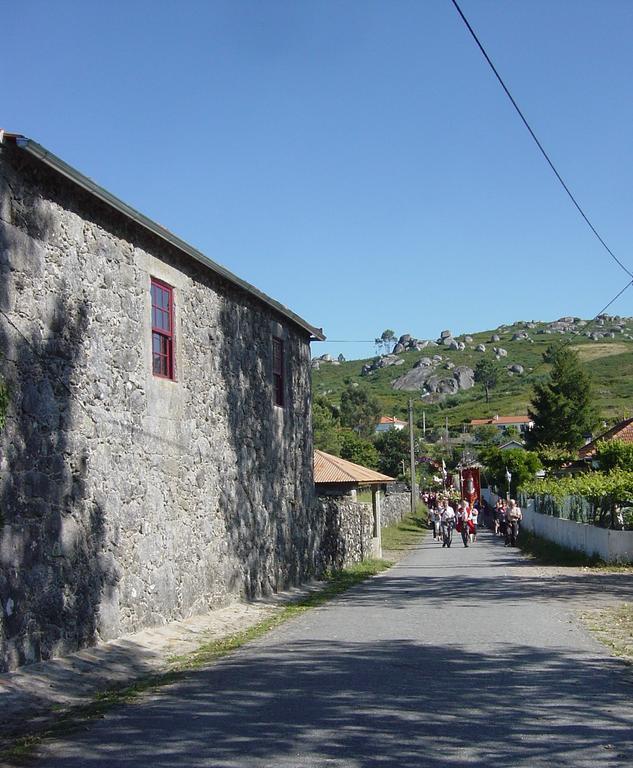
486, 374
562, 407
359, 410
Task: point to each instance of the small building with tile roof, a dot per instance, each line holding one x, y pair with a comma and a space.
389, 423
522, 423
622, 431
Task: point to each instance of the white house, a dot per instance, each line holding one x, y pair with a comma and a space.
387, 423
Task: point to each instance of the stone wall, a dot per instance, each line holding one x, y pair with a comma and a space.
127, 500
345, 533
394, 508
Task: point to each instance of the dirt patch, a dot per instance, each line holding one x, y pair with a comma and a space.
613, 626
594, 351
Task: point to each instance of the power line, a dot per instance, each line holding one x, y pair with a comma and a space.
538, 143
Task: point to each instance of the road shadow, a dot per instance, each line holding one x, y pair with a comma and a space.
394, 703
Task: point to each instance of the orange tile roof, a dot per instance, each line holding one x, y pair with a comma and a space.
501, 420
622, 431
390, 420
332, 469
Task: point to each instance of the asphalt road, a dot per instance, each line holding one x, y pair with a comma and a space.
453, 657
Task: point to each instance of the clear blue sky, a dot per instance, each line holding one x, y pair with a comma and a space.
355, 160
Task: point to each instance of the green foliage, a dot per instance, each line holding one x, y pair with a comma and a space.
325, 425
354, 448
487, 434
562, 406
360, 410
555, 456
385, 340
614, 454
487, 374
602, 490
393, 449
512, 433
522, 465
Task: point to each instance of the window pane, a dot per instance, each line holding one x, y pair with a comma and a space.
162, 330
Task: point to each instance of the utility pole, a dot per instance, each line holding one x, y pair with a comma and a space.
414, 493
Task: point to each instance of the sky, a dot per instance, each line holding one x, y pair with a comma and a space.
354, 159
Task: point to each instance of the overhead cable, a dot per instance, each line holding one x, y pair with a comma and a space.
538, 143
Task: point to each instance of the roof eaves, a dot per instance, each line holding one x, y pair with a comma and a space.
48, 158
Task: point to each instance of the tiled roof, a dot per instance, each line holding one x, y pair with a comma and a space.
332, 469
390, 420
501, 420
622, 431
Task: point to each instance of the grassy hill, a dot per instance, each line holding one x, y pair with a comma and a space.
609, 360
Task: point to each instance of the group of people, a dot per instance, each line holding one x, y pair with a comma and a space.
507, 518
446, 514
443, 517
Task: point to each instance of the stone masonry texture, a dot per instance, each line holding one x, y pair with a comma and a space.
127, 500
395, 507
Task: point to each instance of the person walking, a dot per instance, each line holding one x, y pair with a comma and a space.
513, 518
448, 521
474, 521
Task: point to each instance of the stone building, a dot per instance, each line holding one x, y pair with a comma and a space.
157, 456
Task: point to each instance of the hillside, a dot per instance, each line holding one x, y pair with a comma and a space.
605, 345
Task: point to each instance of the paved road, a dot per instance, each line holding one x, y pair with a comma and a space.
453, 657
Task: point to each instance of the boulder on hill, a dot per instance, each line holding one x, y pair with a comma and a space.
480, 348
516, 368
495, 337
426, 379
382, 362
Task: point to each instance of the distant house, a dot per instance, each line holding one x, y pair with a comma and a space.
389, 423
622, 431
512, 445
522, 423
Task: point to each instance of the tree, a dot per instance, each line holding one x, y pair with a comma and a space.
325, 426
487, 434
562, 406
385, 340
487, 374
360, 410
614, 454
393, 449
522, 465
354, 448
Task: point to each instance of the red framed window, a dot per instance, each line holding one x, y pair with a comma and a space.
162, 329
278, 371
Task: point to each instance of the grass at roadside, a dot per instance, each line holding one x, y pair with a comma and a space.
548, 553
407, 532
20, 751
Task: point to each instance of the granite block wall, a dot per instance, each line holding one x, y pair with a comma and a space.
127, 500
346, 532
395, 507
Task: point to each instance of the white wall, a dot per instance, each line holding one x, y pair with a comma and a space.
611, 546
